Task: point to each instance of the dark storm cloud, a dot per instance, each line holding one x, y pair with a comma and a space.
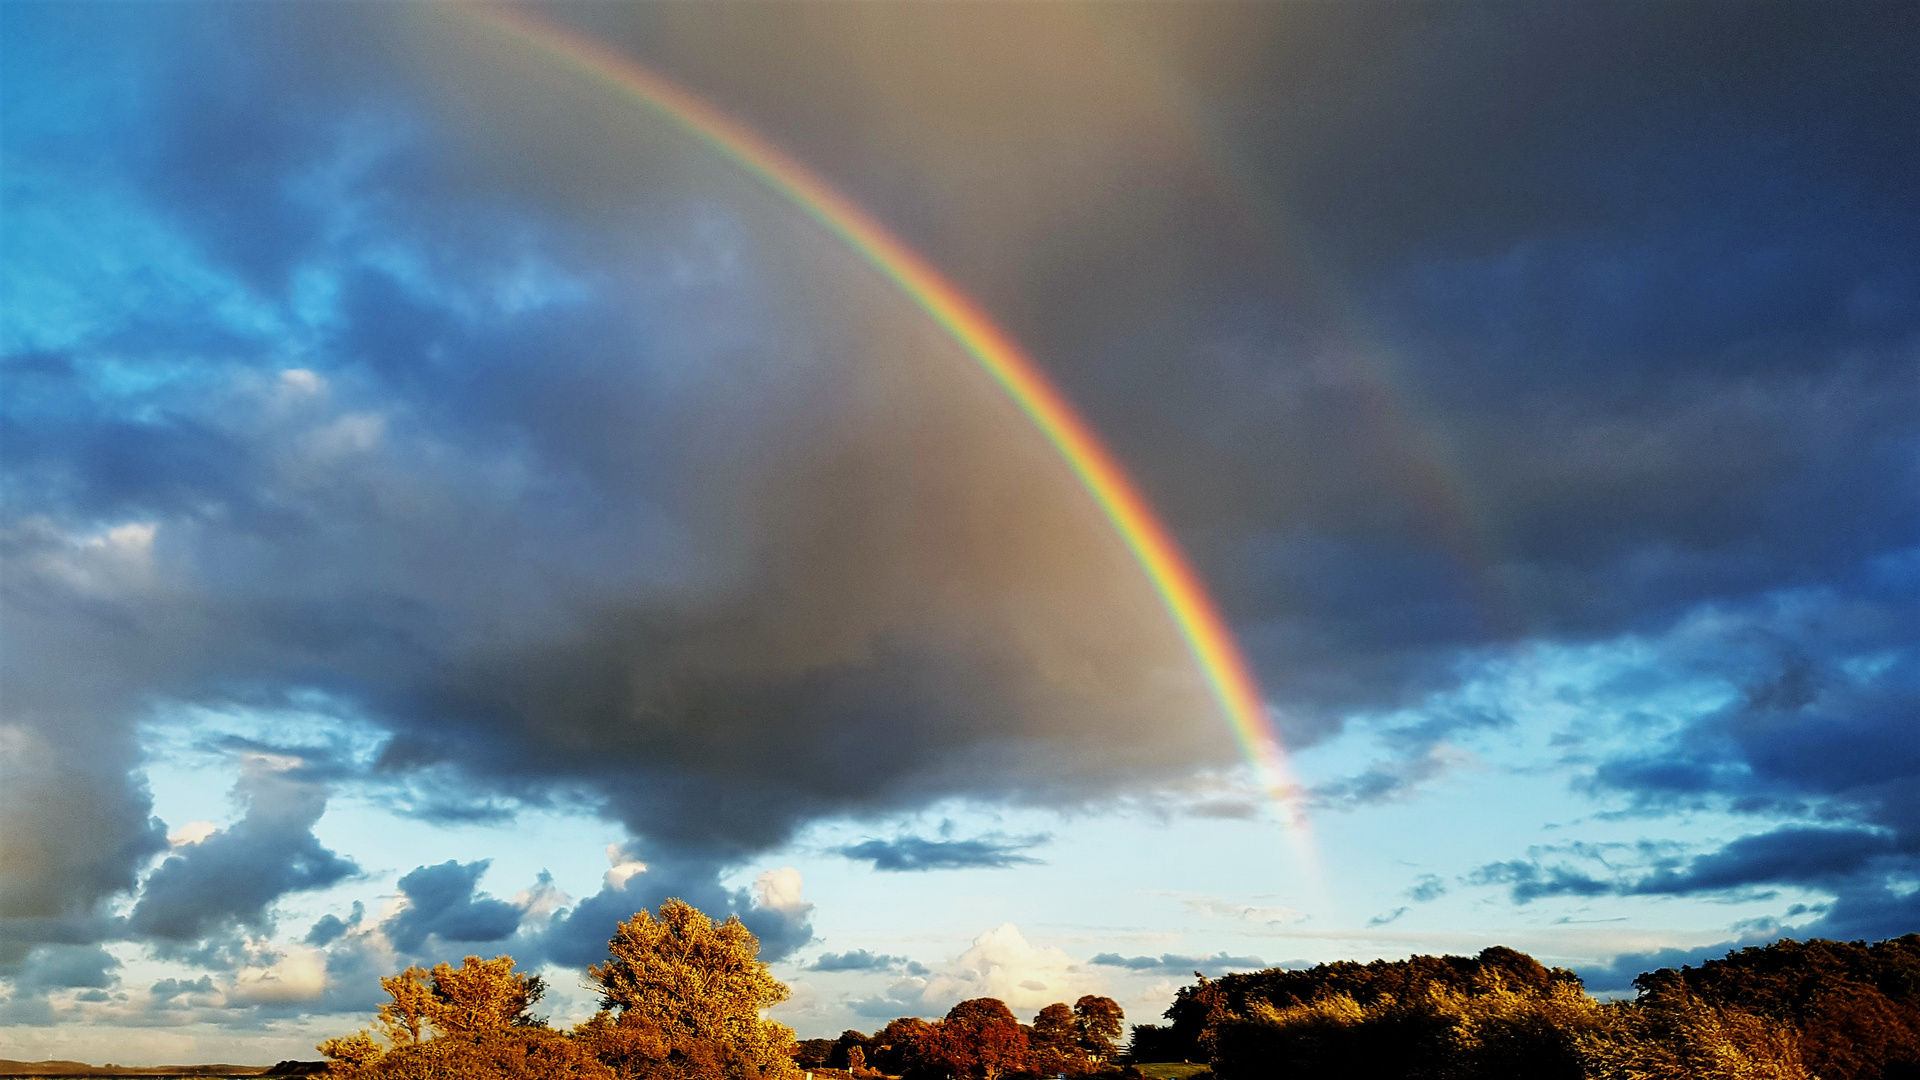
442, 902
558, 500
1171, 964
233, 876
1436, 329
1692, 230
912, 853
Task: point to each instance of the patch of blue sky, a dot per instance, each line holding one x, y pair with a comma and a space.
1898, 569
86, 262
63, 81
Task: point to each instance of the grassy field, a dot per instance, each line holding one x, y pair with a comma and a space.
1174, 1070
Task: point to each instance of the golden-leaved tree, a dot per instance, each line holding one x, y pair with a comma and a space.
681, 995
695, 982
477, 998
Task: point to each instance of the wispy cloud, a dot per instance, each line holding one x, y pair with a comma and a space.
1264, 914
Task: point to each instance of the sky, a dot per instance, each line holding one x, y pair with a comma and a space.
449, 507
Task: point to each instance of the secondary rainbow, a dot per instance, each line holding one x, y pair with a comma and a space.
1186, 599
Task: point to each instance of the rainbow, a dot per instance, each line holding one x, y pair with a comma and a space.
1185, 597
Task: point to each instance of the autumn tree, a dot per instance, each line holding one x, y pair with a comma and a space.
814, 1053
1100, 1022
979, 1040
696, 982
905, 1047
1054, 1044
1856, 1006
844, 1047
477, 998
404, 1020
482, 995
1673, 1034
349, 1053
512, 1053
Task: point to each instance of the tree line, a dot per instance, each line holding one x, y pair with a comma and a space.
681, 998
979, 1039
1814, 1010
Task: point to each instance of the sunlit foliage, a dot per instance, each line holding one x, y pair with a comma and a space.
1856, 1007
695, 981
1493, 1030
1789, 1011
482, 995
903, 1047
1054, 1043
682, 1001
1676, 1035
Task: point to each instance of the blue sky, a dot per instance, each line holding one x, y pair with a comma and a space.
447, 509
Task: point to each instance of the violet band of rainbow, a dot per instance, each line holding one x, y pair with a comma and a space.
1187, 601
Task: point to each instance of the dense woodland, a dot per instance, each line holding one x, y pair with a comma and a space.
682, 998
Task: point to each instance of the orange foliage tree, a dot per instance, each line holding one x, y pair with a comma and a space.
979, 1040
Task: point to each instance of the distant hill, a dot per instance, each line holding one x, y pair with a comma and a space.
80, 1068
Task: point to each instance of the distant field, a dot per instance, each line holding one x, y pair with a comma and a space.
1175, 1070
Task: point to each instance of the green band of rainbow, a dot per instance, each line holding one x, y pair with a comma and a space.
1186, 599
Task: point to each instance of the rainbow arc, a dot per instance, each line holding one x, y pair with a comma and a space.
1193, 611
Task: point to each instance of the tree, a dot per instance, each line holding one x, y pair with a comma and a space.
351, 1052
843, 1048
1673, 1034
905, 1047
814, 1053
1856, 1006
510, 1053
1494, 1032
1154, 1042
1196, 1013
979, 1040
696, 982
404, 1020
1054, 1045
1100, 1021
483, 995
